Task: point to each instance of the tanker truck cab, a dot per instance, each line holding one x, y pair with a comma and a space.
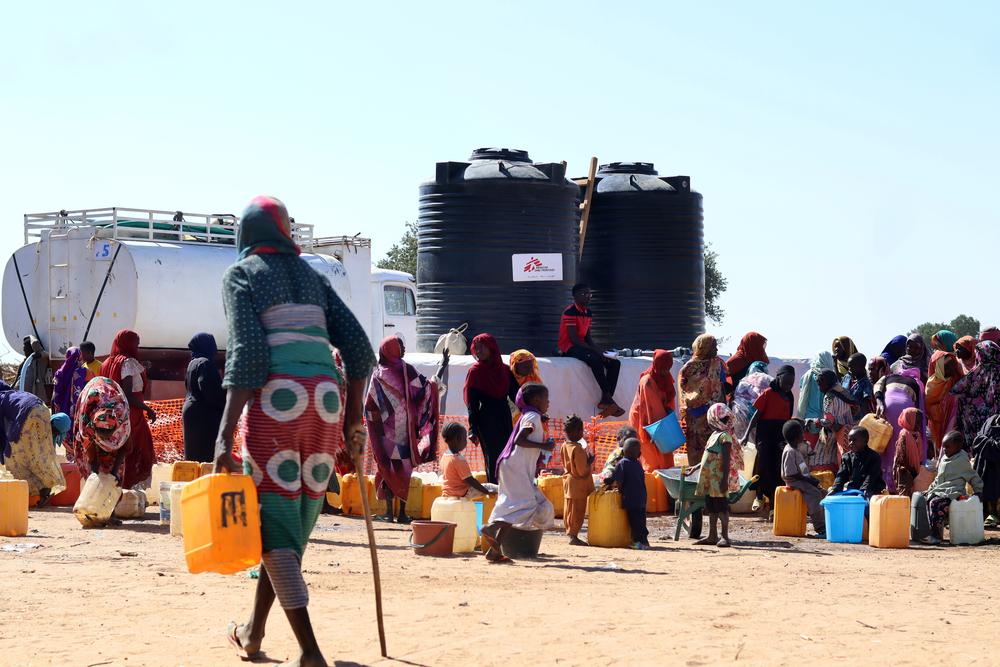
394, 306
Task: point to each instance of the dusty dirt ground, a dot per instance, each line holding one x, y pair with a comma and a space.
122, 596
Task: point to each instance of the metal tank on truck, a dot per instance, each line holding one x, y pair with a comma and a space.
643, 256
84, 275
497, 248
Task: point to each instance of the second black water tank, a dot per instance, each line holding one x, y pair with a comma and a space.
496, 247
644, 258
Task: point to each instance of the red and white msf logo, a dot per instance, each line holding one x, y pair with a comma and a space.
533, 264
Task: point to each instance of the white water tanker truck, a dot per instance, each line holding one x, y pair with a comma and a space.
86, 274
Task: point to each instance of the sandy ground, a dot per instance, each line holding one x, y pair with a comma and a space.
122, 596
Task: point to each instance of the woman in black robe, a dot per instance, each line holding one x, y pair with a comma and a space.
205, 400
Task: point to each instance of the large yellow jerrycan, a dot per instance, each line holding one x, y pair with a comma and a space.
462, 513
185, 471
656, 494
431, 492
415, 498
13, 506
221, 524
608, 523
97, 501
551, 487
890, 522
789, 512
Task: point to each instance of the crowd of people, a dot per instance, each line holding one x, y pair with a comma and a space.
301, 373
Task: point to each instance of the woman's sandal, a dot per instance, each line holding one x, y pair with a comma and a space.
234, 641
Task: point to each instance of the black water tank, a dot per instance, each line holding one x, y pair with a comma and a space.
497, 248
644, 258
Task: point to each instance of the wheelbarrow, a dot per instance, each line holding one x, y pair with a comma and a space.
681, 488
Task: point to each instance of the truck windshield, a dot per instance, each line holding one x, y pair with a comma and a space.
399, 301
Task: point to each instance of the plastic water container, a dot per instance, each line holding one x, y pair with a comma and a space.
13, 506
489, 502
74, 484
176, 517
185, 471
749, 459
375, 504
745, 504
462, 513
965, 521
164, 494
162, 472
415, 498
221, 523
551, 487
889, 527
656, 494
879, 432
332, 497
132, 505
789, 512
97, 500
824, 477
431, 492
206, 469
350, 495
608, 523
845, 517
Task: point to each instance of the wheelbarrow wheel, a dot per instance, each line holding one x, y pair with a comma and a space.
695, 532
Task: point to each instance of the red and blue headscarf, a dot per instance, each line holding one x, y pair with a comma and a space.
266, 229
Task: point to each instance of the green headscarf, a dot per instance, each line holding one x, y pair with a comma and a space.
944, 340
265, 228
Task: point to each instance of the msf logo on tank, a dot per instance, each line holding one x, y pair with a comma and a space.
234, 509
537, 266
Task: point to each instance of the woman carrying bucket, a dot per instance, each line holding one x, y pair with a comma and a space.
284, 320
654, 400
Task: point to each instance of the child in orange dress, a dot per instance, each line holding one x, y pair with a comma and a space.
578, 482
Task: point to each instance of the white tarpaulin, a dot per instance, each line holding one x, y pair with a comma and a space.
572, 388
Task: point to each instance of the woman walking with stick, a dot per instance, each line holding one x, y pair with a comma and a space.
283, 318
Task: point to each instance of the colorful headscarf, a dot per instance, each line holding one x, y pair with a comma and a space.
944, 340
919, 361
843, 368
659, 373
102, 416
721, 419
124, 347
701, 346
71, 378
15, 406
518, 357
991, 334
266, 229
967, 343
61, 424
757, 367
894, 349
491, 377
810, 397
752, 348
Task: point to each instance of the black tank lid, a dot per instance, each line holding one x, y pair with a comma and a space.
505, 154
627, 168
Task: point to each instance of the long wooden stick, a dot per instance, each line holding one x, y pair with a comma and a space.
587, 197
363, 485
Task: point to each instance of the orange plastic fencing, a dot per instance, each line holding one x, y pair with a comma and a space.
168, 439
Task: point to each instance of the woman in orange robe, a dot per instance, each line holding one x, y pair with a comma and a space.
941, 405
653, 401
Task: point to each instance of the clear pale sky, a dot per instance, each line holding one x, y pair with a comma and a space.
848, 154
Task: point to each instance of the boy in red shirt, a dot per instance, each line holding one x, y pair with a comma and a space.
575, 341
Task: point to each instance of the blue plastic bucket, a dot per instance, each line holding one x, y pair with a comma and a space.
479, 516
666, 433
845, 516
